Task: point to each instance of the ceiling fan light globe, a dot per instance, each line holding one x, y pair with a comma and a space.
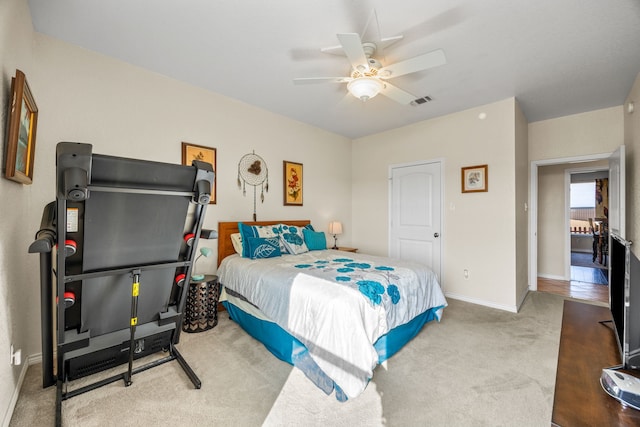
365, 88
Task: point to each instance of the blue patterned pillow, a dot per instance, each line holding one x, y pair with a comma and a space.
315, 240
263, 247
248, 231
293, 239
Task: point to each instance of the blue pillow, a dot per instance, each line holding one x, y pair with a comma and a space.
263, 247
248, 231
315, 240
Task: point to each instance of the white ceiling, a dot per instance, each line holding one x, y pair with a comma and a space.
557, 57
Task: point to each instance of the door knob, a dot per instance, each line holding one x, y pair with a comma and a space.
436, 235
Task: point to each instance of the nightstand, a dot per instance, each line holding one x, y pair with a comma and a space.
346, 249
201, 309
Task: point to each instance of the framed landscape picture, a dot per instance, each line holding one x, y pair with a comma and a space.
21, 135
191, 152
475, 179
293, 185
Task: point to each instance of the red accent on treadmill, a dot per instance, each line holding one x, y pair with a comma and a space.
180, 278
188, 238
70, 247
69, 299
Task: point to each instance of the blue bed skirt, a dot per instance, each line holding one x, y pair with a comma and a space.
287, 348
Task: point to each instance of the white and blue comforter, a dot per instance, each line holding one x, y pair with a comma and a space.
336, 303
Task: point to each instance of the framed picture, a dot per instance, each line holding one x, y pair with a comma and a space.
292, 183
475, 179
191, 152
21, 135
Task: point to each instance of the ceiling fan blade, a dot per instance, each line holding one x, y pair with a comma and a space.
352, 45
387, 41
397, 94
418, 63
313, 80
334, 50
371, 31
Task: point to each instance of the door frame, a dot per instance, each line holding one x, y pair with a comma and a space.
533, 206
441, 161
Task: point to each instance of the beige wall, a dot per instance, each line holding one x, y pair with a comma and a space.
521, 139
632, 145
478, 228
15, 232
594, 132
551, 222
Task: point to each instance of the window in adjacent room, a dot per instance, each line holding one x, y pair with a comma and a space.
583, 205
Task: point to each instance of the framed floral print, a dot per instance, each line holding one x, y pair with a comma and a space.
475, 179
293, 186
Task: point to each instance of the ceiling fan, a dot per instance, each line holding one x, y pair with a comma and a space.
368, 76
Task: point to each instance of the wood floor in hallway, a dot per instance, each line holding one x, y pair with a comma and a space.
575, 289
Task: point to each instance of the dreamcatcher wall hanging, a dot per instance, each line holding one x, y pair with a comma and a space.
252, 170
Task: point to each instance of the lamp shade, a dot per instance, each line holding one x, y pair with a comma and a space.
365, 88
335, 227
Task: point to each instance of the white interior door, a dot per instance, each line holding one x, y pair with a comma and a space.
617, 192
416, 214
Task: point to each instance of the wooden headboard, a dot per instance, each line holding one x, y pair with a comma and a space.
226, 229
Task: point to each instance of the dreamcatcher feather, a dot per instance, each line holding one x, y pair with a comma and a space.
252, 170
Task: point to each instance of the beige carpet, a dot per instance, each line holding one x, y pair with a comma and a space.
478, 367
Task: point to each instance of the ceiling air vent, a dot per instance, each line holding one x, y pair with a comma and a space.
422, 100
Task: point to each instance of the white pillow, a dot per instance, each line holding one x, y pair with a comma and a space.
292, 238
236, 239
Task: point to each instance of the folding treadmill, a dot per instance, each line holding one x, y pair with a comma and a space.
116, 248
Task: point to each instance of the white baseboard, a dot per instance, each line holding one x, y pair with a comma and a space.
34, 359
513, 309
552, 276
30, 360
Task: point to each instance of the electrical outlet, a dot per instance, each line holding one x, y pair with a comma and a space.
16, 356
466, 273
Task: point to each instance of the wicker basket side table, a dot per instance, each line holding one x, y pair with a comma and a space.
201, 308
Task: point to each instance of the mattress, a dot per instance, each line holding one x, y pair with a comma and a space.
337, 314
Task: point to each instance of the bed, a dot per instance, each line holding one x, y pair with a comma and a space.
334, 315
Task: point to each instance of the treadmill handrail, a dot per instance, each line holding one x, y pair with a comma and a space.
99, 188
128, 269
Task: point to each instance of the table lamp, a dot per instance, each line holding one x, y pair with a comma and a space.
206, 252
335, 228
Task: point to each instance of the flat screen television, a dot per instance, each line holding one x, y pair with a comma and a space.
624, 300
